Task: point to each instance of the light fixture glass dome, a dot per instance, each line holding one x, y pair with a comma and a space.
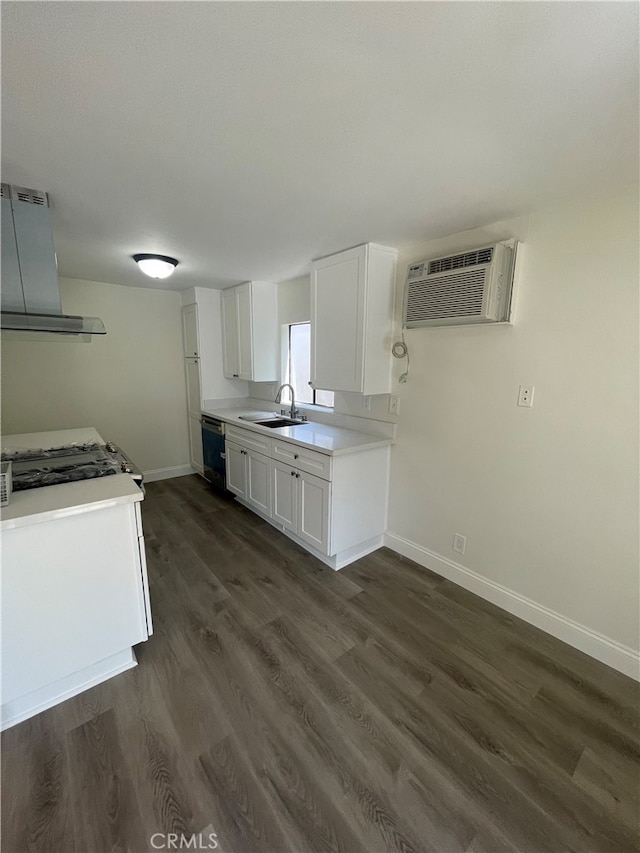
156, 266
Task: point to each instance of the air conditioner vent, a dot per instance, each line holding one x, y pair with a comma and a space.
469, 287
29, 196
468, 259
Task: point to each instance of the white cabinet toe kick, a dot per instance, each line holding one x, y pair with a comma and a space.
333, 506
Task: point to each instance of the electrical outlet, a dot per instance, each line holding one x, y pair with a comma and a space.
525, 395
366, 403
394, 405
459, 542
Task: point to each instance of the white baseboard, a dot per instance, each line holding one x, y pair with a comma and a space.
21, 709
167, 473
614, 654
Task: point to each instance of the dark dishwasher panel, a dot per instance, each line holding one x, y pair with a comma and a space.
213, 451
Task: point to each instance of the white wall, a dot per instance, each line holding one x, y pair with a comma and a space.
129, 384
547, 497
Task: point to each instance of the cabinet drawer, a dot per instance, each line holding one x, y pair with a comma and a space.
300, 457
248, 438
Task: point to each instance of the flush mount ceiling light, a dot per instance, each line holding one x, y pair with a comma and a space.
156, 266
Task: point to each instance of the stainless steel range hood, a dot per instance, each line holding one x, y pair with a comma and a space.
30, 291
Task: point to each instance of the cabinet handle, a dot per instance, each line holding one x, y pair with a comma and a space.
295, 455
298, 476
293, 473
235, 375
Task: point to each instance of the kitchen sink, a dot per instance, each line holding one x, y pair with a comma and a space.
274, 423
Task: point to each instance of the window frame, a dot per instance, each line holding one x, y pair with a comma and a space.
287, 361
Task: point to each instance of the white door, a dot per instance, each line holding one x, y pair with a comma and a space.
258, 481
313, 511
192, 367
337, 321
284, 496
230, 365
195, 442
236, 469
243, 297
190, 330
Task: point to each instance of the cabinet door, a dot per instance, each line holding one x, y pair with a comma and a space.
284, 496
245, 346
258, 481
230, 366
236, 469
190, 330
313, 511
195, 442
337, 321
192, 368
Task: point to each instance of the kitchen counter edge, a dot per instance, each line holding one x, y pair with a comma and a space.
50, 503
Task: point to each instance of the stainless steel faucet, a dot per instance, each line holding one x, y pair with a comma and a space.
293, 412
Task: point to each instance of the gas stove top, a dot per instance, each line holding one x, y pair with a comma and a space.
33, 469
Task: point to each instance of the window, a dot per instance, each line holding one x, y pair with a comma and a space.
298, 368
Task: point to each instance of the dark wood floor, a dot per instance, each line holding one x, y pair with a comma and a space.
287, 707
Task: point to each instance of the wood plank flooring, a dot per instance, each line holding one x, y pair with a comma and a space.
287, 707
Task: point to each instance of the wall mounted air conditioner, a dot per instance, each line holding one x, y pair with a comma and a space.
467, 287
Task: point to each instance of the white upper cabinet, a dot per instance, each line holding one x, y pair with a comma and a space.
230, 345
352, 319
190, 331
250, 340
245, 320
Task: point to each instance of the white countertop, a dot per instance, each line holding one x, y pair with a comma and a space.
324, 438
51, 502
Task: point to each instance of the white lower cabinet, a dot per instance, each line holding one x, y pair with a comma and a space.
195, 443
194, 406
314, 496
285, 496
75, 600
248, 476
258, 481
301, 504
335, 506
236, 469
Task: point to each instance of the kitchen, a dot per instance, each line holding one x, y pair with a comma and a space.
549, 524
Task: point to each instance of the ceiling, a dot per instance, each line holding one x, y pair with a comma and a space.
246, 138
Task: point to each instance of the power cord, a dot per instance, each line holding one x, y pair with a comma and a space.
401, 350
